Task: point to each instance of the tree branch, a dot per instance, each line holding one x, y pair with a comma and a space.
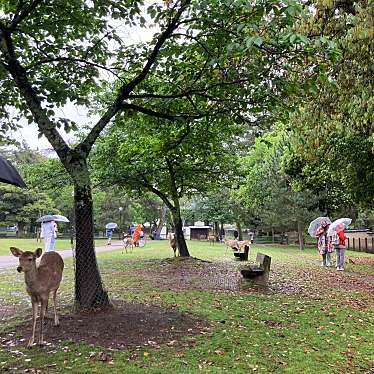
150, 112
46, 126
70, 59
126, 89
199, 92
21, 15
157, 192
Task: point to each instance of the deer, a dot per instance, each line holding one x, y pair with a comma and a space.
233, 244
128, 242
40, 282
211, 239
243, 243
173, 243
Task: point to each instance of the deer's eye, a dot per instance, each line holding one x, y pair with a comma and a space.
30, 259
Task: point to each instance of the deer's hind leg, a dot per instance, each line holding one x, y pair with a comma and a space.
57, 321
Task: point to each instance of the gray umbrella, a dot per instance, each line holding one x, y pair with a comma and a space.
46, 218
8, 174
52, 217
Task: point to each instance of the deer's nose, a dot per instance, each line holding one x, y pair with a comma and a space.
19, 269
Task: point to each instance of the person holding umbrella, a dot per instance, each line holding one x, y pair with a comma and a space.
49, 229
336, 230
339, 245
324, 243
109, 231
48, 234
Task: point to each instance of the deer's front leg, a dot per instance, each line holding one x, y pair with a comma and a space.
34, 315
43, 309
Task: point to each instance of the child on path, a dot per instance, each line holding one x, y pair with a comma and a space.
339, 245
324, 243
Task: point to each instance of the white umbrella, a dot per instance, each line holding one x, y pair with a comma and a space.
341, 223
52, 217
313, 226
46, 218
60, 218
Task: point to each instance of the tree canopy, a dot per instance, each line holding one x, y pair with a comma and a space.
333, 136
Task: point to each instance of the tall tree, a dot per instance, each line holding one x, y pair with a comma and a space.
266, 191
170, 160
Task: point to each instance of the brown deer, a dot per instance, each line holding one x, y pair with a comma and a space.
40, 282
212, 239
243, 243
233, 244
128, 242
173, 243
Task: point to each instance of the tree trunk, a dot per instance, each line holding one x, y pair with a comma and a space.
240, 232
216, 231
300, 233
162, 221
20, 230
178, 226
89, 292
272, 235
176, 212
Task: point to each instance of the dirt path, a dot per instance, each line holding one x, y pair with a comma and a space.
9, 261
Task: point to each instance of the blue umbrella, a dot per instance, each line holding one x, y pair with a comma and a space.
111, 225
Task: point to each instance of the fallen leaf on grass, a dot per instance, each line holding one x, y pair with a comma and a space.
101, 356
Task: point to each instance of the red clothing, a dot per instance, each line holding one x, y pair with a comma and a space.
342, 238
137, 231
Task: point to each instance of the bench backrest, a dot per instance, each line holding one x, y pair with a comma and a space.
263, 261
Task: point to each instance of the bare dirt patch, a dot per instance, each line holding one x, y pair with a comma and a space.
127, 324
192, 273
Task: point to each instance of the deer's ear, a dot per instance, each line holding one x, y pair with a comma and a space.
38, 252
16, 252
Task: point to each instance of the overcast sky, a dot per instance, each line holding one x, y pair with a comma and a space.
29, 133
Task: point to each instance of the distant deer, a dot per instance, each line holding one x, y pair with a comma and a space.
128, 242
173, 243
233, 244
40, 282
212, 239
243, 243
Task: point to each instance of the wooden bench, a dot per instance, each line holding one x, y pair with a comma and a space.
242, 255
258, 273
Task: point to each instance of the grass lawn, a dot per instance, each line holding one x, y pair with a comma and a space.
311, 320
32, 244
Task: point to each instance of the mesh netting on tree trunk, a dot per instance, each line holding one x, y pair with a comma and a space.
89, 289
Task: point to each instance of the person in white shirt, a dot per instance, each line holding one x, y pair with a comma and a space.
48, 233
